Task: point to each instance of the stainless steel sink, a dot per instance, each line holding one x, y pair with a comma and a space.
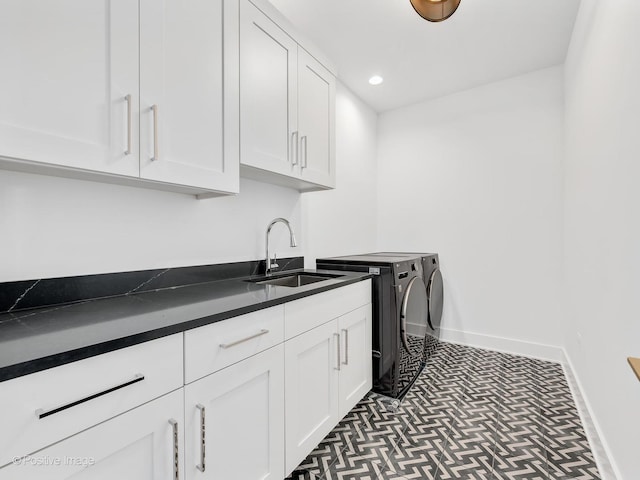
294, 280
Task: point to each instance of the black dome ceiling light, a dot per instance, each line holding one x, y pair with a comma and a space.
435, 10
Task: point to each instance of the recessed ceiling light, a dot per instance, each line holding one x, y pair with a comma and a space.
376, 80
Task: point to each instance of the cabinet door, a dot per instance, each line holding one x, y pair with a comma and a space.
316, 120
311, 386
182, 107
243, 421
355, 368
68, 68
268, 94
136, 445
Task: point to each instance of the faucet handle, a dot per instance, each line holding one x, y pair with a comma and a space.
274, 263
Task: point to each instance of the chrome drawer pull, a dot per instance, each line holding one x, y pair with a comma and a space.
295, 151
303, 139
176, 444
202, 465
128, 100
41, 413
346, 346
264, 331
338, 350
154, 110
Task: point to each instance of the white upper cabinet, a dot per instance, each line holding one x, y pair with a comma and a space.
268, 101
182, 105
287, 106
316, 117
164, 94
144, 91
69, 83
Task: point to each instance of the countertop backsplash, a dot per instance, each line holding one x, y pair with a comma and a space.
38, 293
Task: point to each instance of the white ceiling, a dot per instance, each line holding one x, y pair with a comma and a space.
484, 41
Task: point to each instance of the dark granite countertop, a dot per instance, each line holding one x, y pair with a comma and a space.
34, 340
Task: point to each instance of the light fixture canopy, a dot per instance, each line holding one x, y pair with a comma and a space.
435, 10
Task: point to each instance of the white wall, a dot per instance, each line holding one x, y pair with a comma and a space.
55, 227
477, 178
343, 221
51, 227
602, 231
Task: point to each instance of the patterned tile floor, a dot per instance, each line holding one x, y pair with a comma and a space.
472, 414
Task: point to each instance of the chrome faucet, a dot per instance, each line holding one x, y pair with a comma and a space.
269, 264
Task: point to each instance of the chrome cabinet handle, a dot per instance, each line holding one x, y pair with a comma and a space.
128, 100
176, 445
154, 109
294, 149
303, 139
41, 413
338, 349
264, 331
202, 465
346, 346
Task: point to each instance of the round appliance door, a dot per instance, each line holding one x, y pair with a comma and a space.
413, 317
435, 293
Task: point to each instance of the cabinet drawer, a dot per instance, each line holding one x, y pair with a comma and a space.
215, 346
307, 313
138, 444
45, 407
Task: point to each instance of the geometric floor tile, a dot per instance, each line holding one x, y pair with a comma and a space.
472, 414
413, 459
301, 474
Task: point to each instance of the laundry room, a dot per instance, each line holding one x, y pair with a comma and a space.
285, 239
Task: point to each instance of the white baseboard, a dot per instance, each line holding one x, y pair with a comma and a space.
599, 447
506, 345
607, 469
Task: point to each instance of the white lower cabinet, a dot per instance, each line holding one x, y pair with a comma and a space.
356, 377
270, 386
327, 371
43, 408
235, 421
144, 443
311, 379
